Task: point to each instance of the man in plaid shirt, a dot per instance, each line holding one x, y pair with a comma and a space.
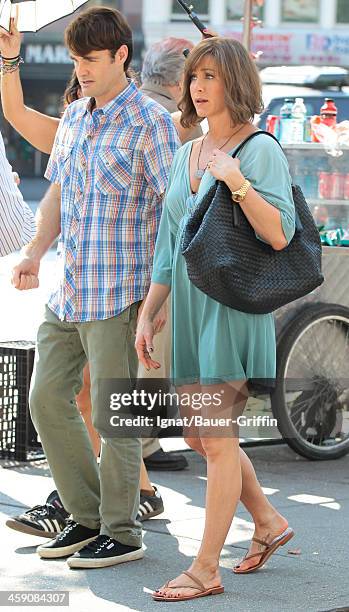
109, 170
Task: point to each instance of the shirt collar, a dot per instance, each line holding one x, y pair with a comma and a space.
155, 87
115, 106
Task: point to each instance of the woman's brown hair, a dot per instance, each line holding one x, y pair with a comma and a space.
243, 92
72, 91
98, 29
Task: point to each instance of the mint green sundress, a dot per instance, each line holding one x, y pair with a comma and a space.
210, 341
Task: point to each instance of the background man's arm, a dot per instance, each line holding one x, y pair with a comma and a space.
17, 225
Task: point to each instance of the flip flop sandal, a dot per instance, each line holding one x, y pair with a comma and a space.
270, 548
203, 592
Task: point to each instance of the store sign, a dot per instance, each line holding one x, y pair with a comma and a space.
46, 54
318, 47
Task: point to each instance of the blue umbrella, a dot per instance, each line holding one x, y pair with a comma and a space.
36, 14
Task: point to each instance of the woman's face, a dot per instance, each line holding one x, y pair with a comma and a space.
207, 88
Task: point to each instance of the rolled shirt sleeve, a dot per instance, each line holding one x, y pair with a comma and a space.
17, 224
53, 173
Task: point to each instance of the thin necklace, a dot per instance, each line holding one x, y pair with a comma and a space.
199, 172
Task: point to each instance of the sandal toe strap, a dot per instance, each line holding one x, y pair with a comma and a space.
263, 542
259, 554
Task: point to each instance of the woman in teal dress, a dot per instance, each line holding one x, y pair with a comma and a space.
216, 349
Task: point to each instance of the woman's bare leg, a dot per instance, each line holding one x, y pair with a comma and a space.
223, 483
269, 523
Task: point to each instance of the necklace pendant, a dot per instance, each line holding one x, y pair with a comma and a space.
199, 173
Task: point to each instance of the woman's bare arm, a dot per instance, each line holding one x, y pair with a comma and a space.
37, 128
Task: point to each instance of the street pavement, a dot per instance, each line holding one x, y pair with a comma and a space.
314, 496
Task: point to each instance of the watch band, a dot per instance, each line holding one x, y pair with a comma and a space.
240, 194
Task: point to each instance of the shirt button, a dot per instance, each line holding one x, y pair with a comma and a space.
83, 163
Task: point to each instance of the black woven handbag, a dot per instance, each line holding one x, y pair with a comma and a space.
226, 261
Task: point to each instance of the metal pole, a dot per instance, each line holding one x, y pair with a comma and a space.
246, 37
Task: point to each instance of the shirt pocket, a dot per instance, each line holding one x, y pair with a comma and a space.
114, 170
63, 160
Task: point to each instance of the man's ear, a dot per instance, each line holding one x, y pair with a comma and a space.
122, 54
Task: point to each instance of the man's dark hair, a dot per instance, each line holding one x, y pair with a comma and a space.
97, 29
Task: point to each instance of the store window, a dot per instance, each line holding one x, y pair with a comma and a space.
201, 8
342, 11
235, 10
300, 11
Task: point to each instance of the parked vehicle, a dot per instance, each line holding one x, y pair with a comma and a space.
311, 83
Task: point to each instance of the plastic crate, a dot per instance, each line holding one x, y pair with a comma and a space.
18, 438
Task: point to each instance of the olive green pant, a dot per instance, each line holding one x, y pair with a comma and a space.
106, 496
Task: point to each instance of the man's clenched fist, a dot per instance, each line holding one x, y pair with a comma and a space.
26, 274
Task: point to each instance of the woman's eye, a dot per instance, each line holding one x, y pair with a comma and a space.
209, 76
193, 76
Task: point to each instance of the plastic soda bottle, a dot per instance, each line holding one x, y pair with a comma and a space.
299, 113
286, 109
328, 113
286, 120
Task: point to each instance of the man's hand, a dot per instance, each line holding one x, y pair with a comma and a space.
26, 274
208, 33
10, 42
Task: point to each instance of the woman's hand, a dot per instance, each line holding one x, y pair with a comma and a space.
144, 343
225, 168
10, 42
159, 319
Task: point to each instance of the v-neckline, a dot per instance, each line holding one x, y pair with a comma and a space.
194, 193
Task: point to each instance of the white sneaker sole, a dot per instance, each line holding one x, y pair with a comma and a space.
95, 563
57, 553
23, 528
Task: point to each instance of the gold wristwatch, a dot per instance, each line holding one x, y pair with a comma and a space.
240, 194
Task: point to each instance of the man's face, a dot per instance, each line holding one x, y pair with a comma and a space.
99, 73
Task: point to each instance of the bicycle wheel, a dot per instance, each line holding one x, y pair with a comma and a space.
311, 397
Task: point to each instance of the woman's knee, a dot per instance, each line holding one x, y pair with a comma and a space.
215, 446
194, 444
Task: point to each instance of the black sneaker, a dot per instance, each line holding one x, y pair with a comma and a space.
104, 551
46, 521
72, 538
150, 505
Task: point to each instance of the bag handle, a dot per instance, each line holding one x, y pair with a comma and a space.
298, 222
253, 135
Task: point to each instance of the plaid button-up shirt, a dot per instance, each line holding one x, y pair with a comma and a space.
113, 166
